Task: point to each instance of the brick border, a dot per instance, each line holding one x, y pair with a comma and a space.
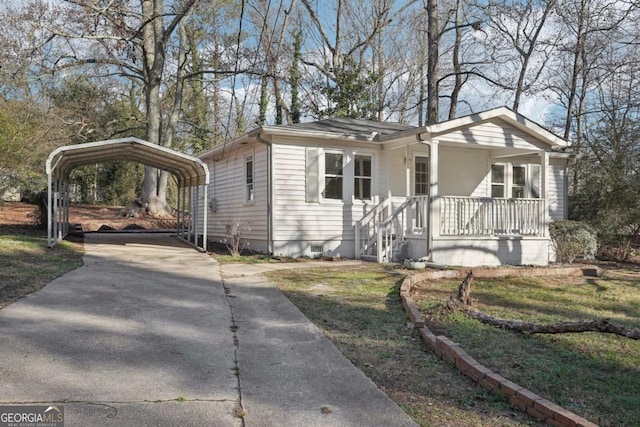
454, 354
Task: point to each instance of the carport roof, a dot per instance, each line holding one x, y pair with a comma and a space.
189, 170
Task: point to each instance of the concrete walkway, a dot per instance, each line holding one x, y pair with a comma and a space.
148, 334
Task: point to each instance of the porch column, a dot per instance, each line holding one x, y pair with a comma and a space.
544, 170
407, 165
434, 193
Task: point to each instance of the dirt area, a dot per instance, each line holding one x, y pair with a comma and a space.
92, 218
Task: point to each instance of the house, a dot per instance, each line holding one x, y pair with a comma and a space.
477, 190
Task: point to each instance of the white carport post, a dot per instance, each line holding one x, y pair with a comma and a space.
191, 215
56, 223
178, 210
49, 212
183, 226
65, 206
196, 214
205, 189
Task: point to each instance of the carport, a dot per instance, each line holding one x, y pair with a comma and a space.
191, 175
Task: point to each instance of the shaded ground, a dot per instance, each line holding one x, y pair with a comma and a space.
16, 216
26, 265
359, 310
591, 374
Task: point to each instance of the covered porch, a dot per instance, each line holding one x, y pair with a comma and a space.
473, 193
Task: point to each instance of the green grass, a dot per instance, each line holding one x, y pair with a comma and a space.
359, 310
243, 259
592, 374
26, 264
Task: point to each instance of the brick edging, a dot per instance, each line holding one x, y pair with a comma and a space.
454, 354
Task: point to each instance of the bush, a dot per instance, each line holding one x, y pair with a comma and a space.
236, 240
43, 214
573, 239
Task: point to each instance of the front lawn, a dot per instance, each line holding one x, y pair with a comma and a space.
592, 374
26, 264
359, 310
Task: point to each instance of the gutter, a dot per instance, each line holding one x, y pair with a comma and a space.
259, 138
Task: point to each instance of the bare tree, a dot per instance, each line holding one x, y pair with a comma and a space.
118, 38
344, 58
519, 29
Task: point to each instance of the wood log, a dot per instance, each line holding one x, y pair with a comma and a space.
463, 303
599, 325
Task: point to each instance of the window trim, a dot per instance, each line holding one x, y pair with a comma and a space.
364, 177
504, 184
509, 183
249, 187
323, 175
414, 163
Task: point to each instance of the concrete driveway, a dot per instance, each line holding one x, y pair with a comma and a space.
148, 334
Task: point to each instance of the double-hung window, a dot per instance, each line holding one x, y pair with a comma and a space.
517, 181
249, 179
362, 177
498, 180
333, 176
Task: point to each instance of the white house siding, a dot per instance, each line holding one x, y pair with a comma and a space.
490, 251
498, 134
556, 192
227, 192
463, 172
299, 225
398, 172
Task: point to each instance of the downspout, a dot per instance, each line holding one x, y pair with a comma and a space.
270, 248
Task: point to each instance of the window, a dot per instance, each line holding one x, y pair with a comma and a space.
535, 181
497, 180
333, 175
362, 177
422, 176
517, 181
248, 169
519, 184
312, 167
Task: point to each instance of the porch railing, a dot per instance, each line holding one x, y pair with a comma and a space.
409, 218
480, 216
367, 228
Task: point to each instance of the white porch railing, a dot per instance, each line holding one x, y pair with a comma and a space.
367, 228
480, 216
410, 218
381, 232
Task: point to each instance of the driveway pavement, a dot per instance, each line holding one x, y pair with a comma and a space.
148, 334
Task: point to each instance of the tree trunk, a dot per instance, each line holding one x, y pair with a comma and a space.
433, 36
155, 36
457, 69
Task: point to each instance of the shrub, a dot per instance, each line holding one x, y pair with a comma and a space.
573, 239
43, 214
236, 240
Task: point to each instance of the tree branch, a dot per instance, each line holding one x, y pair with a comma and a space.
462, 302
